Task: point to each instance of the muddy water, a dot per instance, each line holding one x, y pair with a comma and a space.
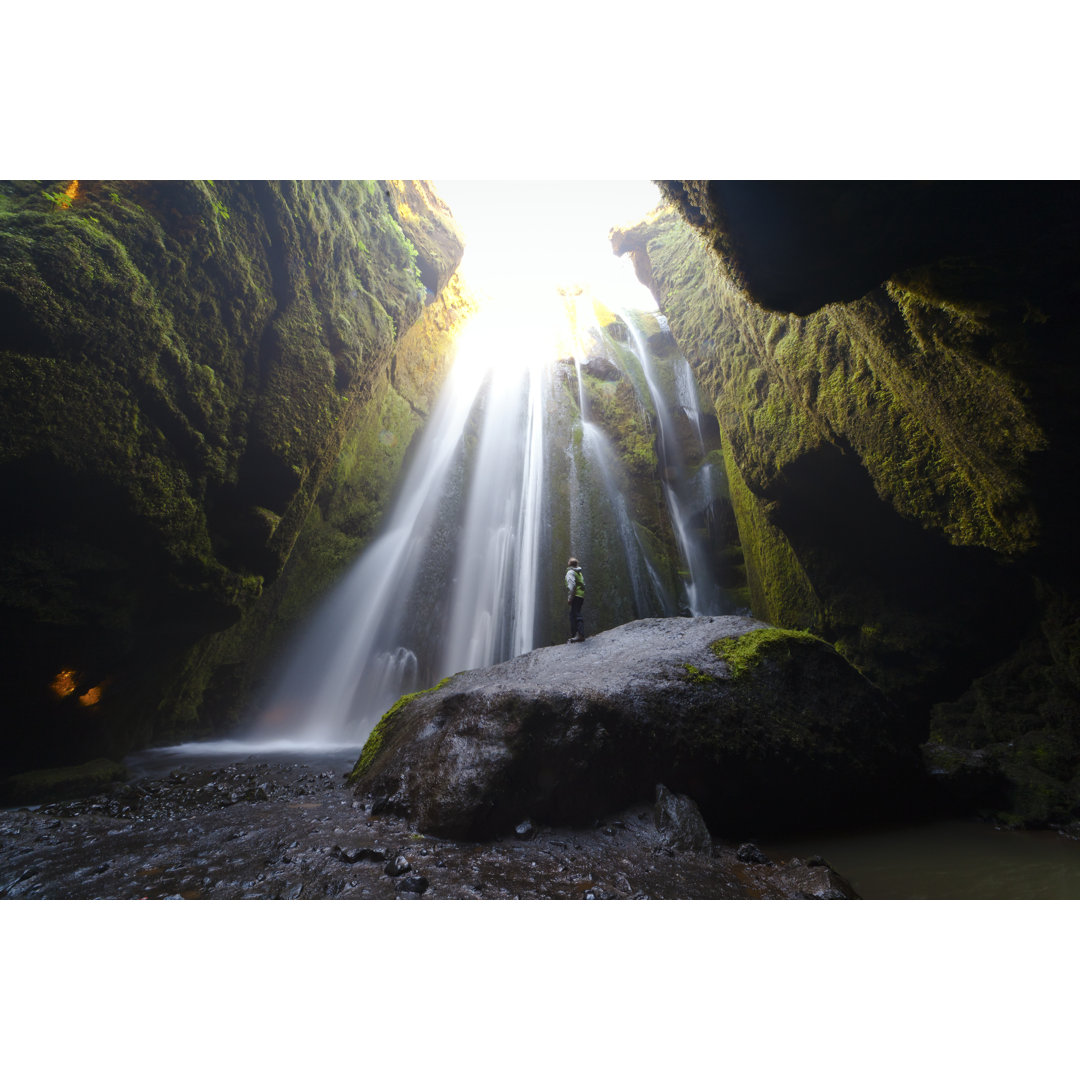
948, 860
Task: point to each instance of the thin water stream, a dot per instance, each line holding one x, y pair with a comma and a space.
703, 595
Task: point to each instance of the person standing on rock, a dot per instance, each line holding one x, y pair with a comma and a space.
575, 597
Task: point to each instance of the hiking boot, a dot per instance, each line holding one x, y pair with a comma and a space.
577, 637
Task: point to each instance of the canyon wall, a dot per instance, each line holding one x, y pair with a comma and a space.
185, 369
892, 367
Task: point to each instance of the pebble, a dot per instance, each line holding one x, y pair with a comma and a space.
398, 866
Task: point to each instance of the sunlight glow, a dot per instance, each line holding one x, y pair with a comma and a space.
528, 246
534, 236
509, 333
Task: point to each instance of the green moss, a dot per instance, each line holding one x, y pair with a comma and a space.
870, 448
779, 589
181, 365
899, 376
592, 507
745, 651
696, 675
383, 728
614, 407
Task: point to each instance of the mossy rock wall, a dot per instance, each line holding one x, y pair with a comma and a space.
182, 365
617, 519
221, 683
602, 520
776, 581
879, 451
897, 449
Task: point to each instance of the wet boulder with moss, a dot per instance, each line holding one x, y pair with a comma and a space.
763, 728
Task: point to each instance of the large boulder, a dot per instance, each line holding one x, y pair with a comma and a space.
762, 728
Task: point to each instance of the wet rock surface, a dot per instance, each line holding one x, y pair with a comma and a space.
261, 829
787, 731
679, 822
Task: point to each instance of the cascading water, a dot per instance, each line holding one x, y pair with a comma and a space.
354, 659
703, 594
494, 585
507, 479
648, 594
646, 588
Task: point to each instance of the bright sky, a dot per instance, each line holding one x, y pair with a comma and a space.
536, 235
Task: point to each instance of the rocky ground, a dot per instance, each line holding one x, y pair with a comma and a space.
274, 829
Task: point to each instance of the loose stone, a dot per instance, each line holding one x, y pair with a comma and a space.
751, 853
398, 866
679, 822
414, 883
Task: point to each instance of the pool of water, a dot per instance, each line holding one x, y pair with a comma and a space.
947, 860
159, 761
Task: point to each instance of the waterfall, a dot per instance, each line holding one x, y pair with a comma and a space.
686, 397
494, 585
646, 589
530, 519
464, 571
703, 595
349, 665
648, 595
